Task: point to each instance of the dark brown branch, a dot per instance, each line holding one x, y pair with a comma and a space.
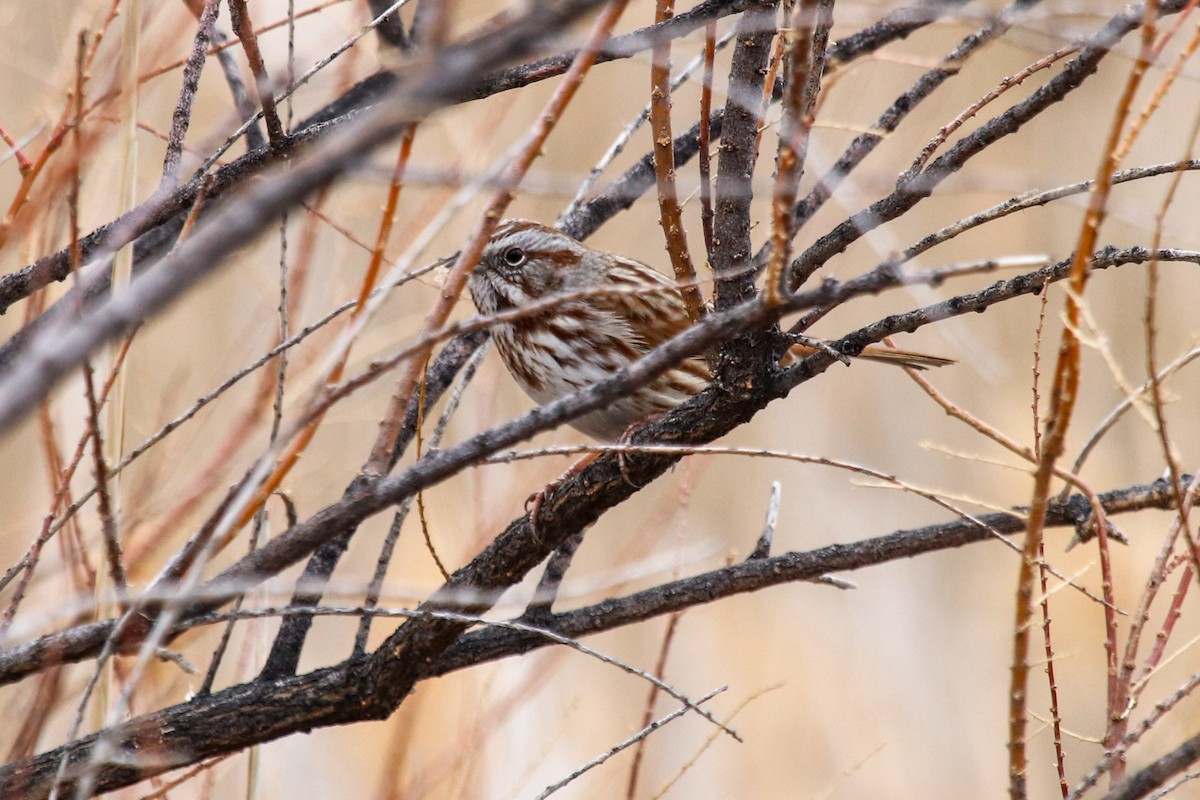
182, 116
758, 573
746, 359
391, 28
1146, 780
215, 724
1030, 283
733, 192
894, 26
542, 605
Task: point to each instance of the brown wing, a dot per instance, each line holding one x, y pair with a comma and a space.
651, 304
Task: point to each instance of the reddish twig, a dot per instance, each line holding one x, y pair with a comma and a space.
660, 668
243, 28
23, 162
805, 38
1063, 395
1125, 690
1009, 82
67, 120
670, 215
704, 159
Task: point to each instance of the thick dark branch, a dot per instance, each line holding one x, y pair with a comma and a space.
894, 26
746, 359
216, 724
733, 190
1030, 283
758, 573
208, 725
391, 28
1143, 782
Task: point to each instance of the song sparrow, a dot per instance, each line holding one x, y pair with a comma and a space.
584, 339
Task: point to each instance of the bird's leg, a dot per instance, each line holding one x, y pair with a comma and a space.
533, 503
624, 440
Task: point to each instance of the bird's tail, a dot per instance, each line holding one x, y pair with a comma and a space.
875, 352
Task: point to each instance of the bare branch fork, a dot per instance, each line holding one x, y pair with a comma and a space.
739, 334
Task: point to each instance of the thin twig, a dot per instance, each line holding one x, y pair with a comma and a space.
637, 738
1063, 394
243, 28
705, 138
805, 40
670, 215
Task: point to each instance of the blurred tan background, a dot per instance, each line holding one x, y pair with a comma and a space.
897, 688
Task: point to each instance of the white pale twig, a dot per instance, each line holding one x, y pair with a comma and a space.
617, 748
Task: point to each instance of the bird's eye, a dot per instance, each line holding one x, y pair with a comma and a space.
514, 256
